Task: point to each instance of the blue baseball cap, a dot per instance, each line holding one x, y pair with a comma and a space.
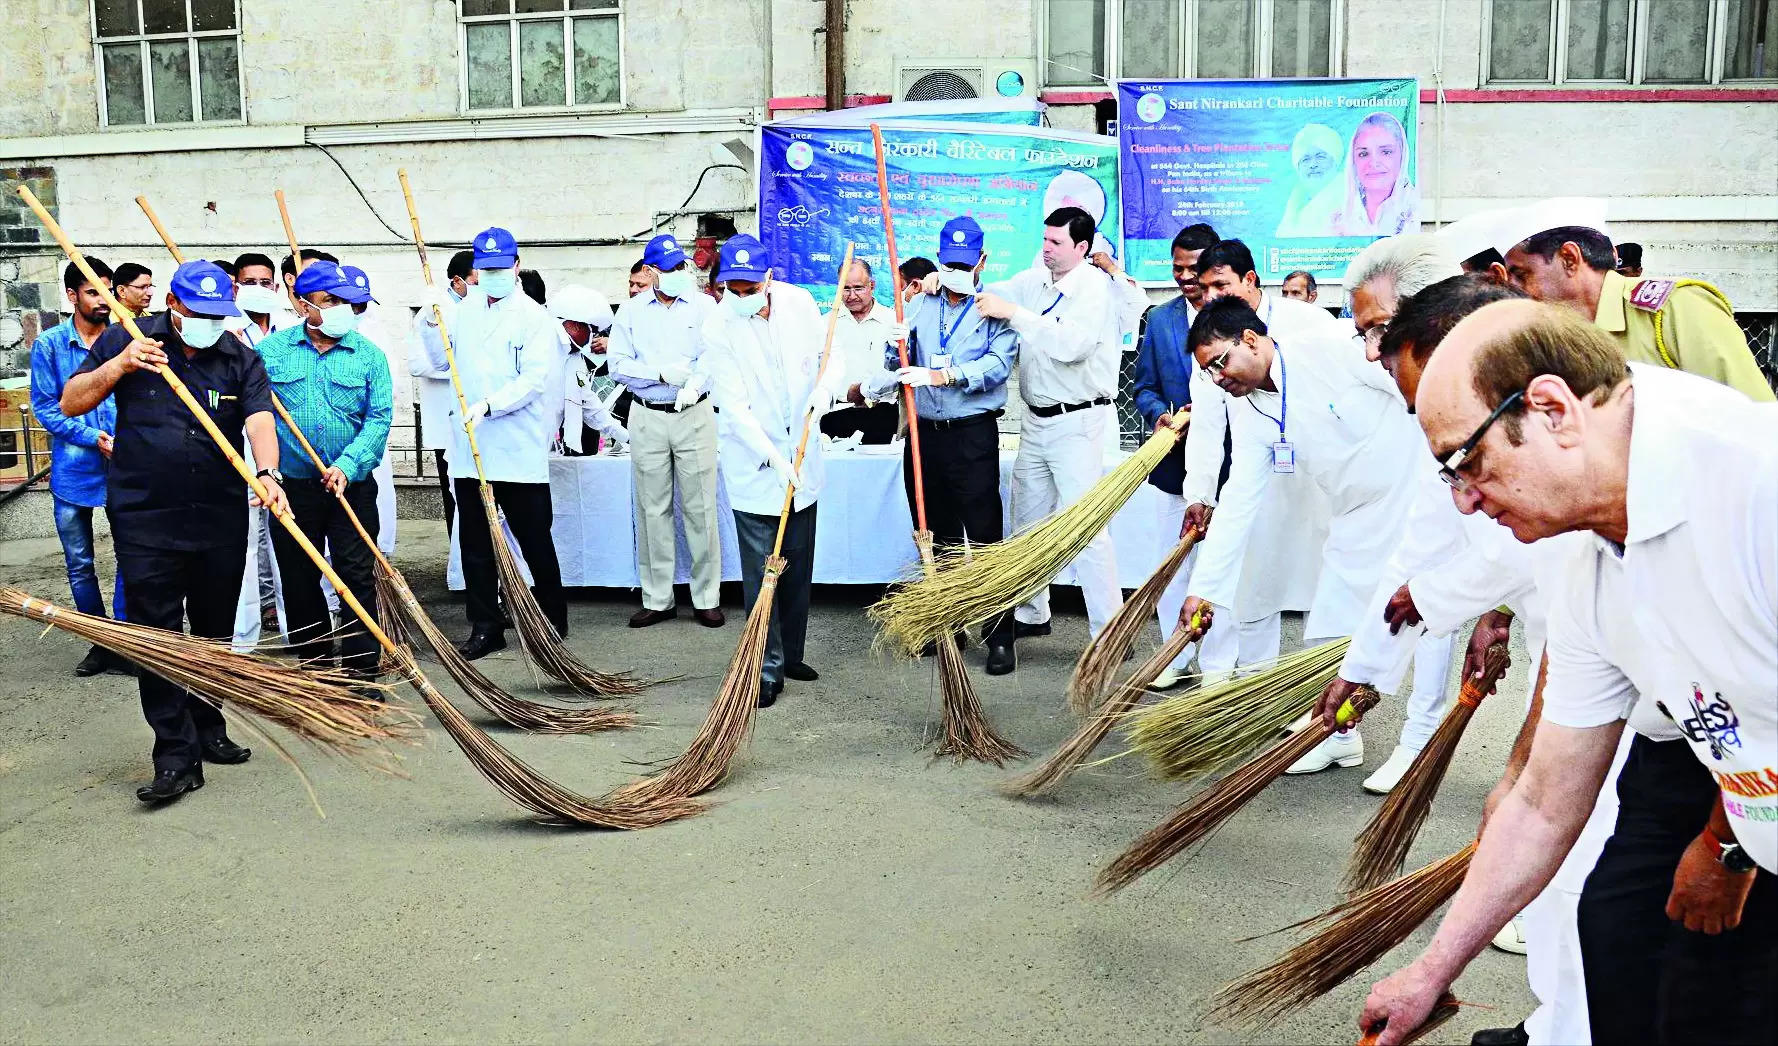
743, 258
205, 289
495, 249
360, 281
326, 276
960, 241
663, 253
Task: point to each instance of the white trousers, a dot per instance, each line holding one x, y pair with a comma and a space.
668, 449
1230, 643
1059, 460
1431, 694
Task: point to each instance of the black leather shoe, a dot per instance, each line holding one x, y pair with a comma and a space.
768, 694
483, 640
1023, 631
169, 785
712, 618
1001, 660
1514, 1036
119, 665
561, 628
801, 672
97, 660
222, 750
645, 617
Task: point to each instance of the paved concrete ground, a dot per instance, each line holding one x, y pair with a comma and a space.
843, 890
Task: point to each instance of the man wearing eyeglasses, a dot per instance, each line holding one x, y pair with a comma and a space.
858, 341
1665, 622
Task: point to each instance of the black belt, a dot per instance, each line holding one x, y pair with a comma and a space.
666, 406
1069, 408
941, 424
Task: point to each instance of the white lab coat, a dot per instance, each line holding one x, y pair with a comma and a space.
432, 388
580, 402
762, 373
508, 354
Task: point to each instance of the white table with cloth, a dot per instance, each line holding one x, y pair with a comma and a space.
863, 531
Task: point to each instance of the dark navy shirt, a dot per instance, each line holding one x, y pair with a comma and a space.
169, 485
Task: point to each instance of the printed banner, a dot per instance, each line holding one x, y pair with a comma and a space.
818, 189
1305, 172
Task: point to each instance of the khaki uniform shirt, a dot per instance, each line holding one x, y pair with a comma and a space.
1682, 324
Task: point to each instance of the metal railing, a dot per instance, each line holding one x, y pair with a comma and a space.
18, 447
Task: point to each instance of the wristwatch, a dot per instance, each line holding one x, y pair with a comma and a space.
1731, 856
272, 474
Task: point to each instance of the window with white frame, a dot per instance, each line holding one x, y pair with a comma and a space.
541, 54
167, 61
1091, 41
1631, 41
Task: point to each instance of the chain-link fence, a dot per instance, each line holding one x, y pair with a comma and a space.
1761, 329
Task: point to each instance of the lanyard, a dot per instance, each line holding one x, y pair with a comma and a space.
1283, 396
944, 337
1053, 305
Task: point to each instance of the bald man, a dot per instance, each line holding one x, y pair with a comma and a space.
1666, 621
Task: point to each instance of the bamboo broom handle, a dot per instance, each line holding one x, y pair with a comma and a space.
833, 319
204, 419
154, 220
296, 256
444, 337
901, 346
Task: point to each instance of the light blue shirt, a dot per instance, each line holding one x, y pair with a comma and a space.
341, 399
977, 350
77, 468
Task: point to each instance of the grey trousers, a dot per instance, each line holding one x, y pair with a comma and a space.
790, 607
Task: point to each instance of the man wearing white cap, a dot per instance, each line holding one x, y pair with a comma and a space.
585, 415
1471, 241
655, 349
1558, 251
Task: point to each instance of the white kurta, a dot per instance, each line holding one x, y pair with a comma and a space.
858, 344
507, 355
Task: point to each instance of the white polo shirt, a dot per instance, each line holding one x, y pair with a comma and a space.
1677, 630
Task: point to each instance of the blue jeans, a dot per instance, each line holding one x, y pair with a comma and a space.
74, 525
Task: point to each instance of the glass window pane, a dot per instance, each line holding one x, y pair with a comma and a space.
1678, 42
1752, 32
490, 65
596, 80
219, 78
543, 75
592, 5
1519, 40
534, 6
169, 67
1075, 42
123, 85
163, 16
1225, 39
487, 7
1302, 33
1598, 39
115, 17
212, 14
1150, 36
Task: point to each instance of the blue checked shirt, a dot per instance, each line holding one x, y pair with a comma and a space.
980, 350
342, 400
77, 468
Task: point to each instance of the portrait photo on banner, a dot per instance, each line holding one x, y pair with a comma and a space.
1306, 172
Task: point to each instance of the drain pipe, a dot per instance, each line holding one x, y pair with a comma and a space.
835, 26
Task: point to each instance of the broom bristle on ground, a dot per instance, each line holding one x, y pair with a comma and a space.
542, 644
323, 706
1352, 935
527, 787
1382, 848
965, 732
730, 718
1102, 658
515, 711
1209, 727
1216, 804
969, 588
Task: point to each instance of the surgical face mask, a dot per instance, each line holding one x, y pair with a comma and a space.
957, 281
200, 332
254, 298
336, 321
678, 283
747, 306
498, 283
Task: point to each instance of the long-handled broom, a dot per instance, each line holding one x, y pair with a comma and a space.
1103, 656
523, 785
730, 719
537, 635
966, 733
396, 603
1223, 800
1074, 751
1382, 848
993, 579
1351, 936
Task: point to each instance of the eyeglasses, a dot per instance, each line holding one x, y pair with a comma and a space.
1447, 471
1215, 366
1373, 335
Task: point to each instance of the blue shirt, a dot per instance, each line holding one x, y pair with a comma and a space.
77, 468
1162, 381
979, 350
342, 399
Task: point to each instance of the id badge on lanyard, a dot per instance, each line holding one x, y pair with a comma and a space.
1283, 454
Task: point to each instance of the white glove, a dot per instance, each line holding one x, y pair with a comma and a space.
879, 386
688, 397
676, 374
929, 283
916, 377
785, 470
898, 333
819, 403
620, 436
477, 411
434, 296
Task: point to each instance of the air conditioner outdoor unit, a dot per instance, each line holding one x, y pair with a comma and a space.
947, 79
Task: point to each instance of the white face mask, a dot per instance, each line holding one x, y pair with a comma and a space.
678, 283
200, 332
257, 299
747, 306
957, 281
336, 321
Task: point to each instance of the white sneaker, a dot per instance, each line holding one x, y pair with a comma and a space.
1511, 938
1392, 771
1167, 680
1344, 748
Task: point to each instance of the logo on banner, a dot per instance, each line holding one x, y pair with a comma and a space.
799, 156
1150, 108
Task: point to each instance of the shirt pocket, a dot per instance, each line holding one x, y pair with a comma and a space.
345, 392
